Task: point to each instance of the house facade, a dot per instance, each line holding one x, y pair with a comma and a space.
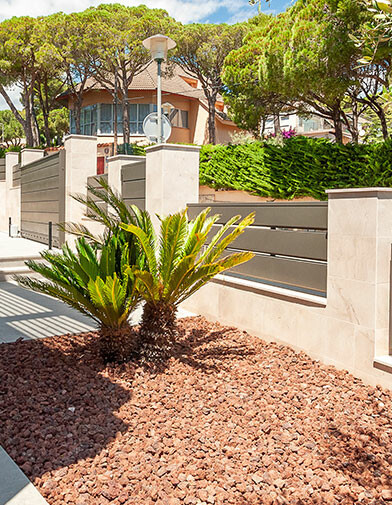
311, 126
188, 115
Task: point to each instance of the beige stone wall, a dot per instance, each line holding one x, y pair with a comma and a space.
350, 328
3, 216
12, 201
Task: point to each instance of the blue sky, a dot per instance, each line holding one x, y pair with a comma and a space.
213, 11
186, 11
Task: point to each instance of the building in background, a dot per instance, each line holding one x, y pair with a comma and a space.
189, 115
311, 126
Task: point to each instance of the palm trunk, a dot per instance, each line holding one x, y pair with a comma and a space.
158, 331
117, 344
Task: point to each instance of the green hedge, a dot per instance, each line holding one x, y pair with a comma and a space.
301, 167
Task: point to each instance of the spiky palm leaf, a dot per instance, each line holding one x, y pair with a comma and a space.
177, 266
176, 263
87, 281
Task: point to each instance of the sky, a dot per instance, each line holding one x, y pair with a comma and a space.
186, 11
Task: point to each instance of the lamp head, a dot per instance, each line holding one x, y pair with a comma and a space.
158, 45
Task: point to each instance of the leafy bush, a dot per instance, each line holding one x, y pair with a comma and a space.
300, 167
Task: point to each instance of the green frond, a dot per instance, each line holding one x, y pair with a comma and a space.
146, 244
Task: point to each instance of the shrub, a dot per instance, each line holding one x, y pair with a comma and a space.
180, 261
300, 167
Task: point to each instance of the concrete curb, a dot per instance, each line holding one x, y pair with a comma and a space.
15, 487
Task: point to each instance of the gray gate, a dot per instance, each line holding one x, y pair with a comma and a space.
43, 198
133, 184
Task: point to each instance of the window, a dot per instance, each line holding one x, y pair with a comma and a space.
179, 118
137, 114
88, 120
104, 113
284, 119
106, 123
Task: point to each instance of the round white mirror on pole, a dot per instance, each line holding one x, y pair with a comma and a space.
150, 129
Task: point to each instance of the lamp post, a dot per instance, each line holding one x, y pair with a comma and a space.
158, 45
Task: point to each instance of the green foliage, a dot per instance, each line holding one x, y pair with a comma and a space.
178, 264
130, 148
88, 281
11, 130
300, 167
302, 59
57, 123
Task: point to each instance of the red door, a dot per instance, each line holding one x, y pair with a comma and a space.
100, 165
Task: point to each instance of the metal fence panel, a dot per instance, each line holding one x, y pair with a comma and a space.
289, 241
133, 184
42, 194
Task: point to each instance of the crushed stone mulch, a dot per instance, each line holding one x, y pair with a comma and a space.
230, 419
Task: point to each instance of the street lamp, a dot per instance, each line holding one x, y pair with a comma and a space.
158, 45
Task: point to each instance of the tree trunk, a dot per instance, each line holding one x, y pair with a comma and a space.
277, 124
117, 344
211, 121
384, 128
14, 110
337, 123
158, 331
125, 118
78, 113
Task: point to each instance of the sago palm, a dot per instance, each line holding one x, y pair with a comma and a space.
179, 262
96, 283
110, 215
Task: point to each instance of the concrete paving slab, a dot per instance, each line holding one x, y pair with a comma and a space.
17, 247
29, 315
15, 487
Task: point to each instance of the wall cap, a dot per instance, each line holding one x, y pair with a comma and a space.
125, 157
359, 192
172, 147
268, 289
30, 150
80, 137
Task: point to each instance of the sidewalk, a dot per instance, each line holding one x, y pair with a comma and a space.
30, 315
19, 247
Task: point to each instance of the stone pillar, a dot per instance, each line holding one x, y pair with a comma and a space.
115, 164
172, 178
80, 163
359, 270
12, 202
29, 155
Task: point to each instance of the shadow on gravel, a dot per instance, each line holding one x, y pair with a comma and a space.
56, 407
353, 458
199, 349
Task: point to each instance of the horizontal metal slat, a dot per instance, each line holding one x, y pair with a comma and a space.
312, 215
301, 244
134, 189
133, 171
293, 272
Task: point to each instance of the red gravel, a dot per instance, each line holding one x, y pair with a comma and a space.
231, 420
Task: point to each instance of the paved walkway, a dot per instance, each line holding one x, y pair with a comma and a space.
19, 247
29, 315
